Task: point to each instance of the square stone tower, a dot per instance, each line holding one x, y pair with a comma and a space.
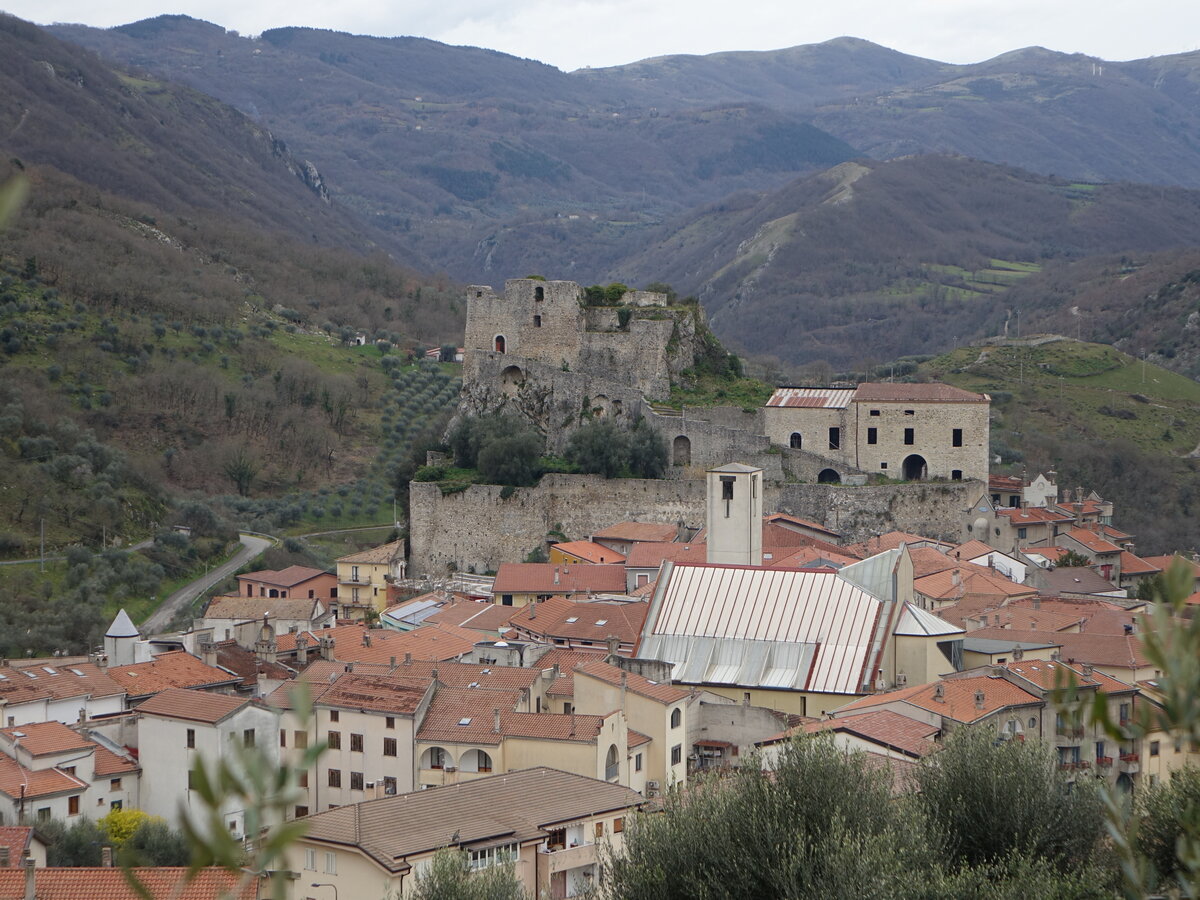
734, 520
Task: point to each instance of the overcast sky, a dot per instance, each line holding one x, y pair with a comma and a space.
571, 34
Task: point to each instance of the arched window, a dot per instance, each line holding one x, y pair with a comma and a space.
612, 767
539, 293
829, 476
436, 758
796, 441
500, 343
681, 448
676, 717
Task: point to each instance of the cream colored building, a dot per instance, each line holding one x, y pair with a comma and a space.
469, 733
659, 712
552, 825
363, 578
904, 431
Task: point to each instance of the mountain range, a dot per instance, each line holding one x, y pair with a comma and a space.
839, 202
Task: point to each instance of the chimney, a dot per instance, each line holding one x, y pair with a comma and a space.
1037, 602
939, 693
532, 610
1018, 654
30, 878
1087, 670
208, 653
956, 578
391, 662
572, 721
327, 648
408, 659
556, 579
496, 719
301, 650
106, 857
613, 643
366, 639
979, 698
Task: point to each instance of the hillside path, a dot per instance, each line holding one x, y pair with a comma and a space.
252, 546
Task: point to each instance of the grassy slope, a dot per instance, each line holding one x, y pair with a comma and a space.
1102, 419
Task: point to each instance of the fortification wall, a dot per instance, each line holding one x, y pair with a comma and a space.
479, 529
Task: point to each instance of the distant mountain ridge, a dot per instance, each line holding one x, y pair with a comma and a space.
699, 170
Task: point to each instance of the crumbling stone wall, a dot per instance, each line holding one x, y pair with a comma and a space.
479, 528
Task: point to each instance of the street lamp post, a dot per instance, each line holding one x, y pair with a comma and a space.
327, 884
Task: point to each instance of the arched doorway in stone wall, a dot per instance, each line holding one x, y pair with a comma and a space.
796, 442
915, 468
510, 380
829, 476
681, 451
500, 343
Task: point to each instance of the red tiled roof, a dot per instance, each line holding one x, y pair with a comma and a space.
245, 609
374, 692
46, 738
891, 541
1117, 651
883, 726
810, 398
1008, 483
15, 779
1164, 562
1086, 507
638, 531
176, 669
1032, 514
933, 392
490, 618
430, 641
451, 674
806, 557
1092, 541
544, 578
15, 838
382, 554
1052, 554
1051, 675
468, 716
652, 554
1135, 565
195, 706
958, 701
589, 551
109, 765
634, 683
247, 666
972, 581
25, 684
111, 884
636, 738
971, 550
573, 620
804, 523
566, 658
289, 577
1008, 616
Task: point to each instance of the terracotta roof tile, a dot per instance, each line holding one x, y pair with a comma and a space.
195, 706
110, 884
1092, 541
489, 618
468, 716
883, 726
1112, 650
958, 699
16, 838
25, 684
46, 738
1007, 616
785, 518
638, 531
589, 551
374, 692
637, 739
1076, 580
566, 658
544, 578
246, 609
430, 641
1032, 514
811, 398
572, 620
1135, 565
891, 541
383, 554
109, 765
634, 683
247, 666
971, 550
15, 779
932, 392
807, 557
651, 554
451, 674
972, 581
176, 669
286, 578
519, 805
1050, 675
1164, 562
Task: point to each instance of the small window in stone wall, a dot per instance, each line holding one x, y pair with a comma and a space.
883, 465
872, 435
835, 438
874, 412
957, 437
956, 474
910, 436
539, 293
537, 321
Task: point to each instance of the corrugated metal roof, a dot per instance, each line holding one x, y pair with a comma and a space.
811, 398
916, 621
763, 627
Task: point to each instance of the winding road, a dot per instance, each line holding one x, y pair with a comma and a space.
252, 545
